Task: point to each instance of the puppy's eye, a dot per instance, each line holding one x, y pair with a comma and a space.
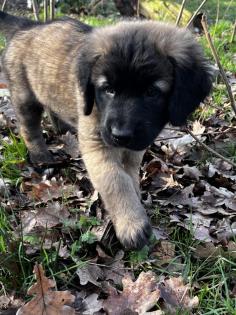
110, 91
152, 91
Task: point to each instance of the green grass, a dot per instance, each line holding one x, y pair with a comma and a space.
2, 42
219, 95
5, 229
97, 21
221, 34
14, 153
227, 8
88, 19
16, 265
212, 275
210, 278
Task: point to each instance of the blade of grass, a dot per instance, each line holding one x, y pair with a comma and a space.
217, 60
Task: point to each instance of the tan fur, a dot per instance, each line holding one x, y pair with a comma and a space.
44, 60
170, 40
114, 172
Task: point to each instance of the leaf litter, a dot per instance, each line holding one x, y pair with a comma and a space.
47, 301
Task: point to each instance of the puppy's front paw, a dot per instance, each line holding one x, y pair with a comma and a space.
38, 158
133, 233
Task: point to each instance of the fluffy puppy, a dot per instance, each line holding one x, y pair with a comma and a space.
118, 85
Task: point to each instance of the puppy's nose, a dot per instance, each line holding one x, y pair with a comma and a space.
121, 136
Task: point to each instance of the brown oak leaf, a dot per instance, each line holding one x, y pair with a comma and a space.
176, 295
46, 217
71, 145
138, 296
46, 301
47, 190
90, 273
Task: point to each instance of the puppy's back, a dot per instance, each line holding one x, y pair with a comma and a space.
43, 59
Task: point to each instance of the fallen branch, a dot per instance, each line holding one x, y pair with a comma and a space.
210, 149
180, 12
200, 134
196, 12
217, 60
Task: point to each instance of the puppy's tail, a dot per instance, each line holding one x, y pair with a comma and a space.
10, 24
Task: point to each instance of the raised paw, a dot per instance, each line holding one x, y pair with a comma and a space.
41, 158
133, 233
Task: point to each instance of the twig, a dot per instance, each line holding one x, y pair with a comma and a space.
227, 9
3, 5
35, 10
233, 34
217, 60
181, 130
93, 5
138, 8
180, 12
52, 9
45, 8
196, 12
217, 14
210, 149
200, 134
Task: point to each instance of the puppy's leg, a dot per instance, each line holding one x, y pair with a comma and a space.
59, 125
116, 187
29, 113
132, 161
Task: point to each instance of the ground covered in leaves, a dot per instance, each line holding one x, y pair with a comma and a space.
53, 222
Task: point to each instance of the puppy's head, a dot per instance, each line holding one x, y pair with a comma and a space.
142, 75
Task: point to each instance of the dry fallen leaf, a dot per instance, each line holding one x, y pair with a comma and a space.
4, 187
232, 249
170, 182
7, 113
192, 172
139, 296
164, 252
153, 168
46, 301
185, 197
71, 145
113, 267
87, 304
197, 128
208, 250
44, 191
90, 273
180, 144
9, 302
176, 295
46, 217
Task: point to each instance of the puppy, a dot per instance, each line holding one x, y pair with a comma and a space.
117, 85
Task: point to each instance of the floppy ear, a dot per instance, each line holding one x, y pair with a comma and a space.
192, 83
85, 71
